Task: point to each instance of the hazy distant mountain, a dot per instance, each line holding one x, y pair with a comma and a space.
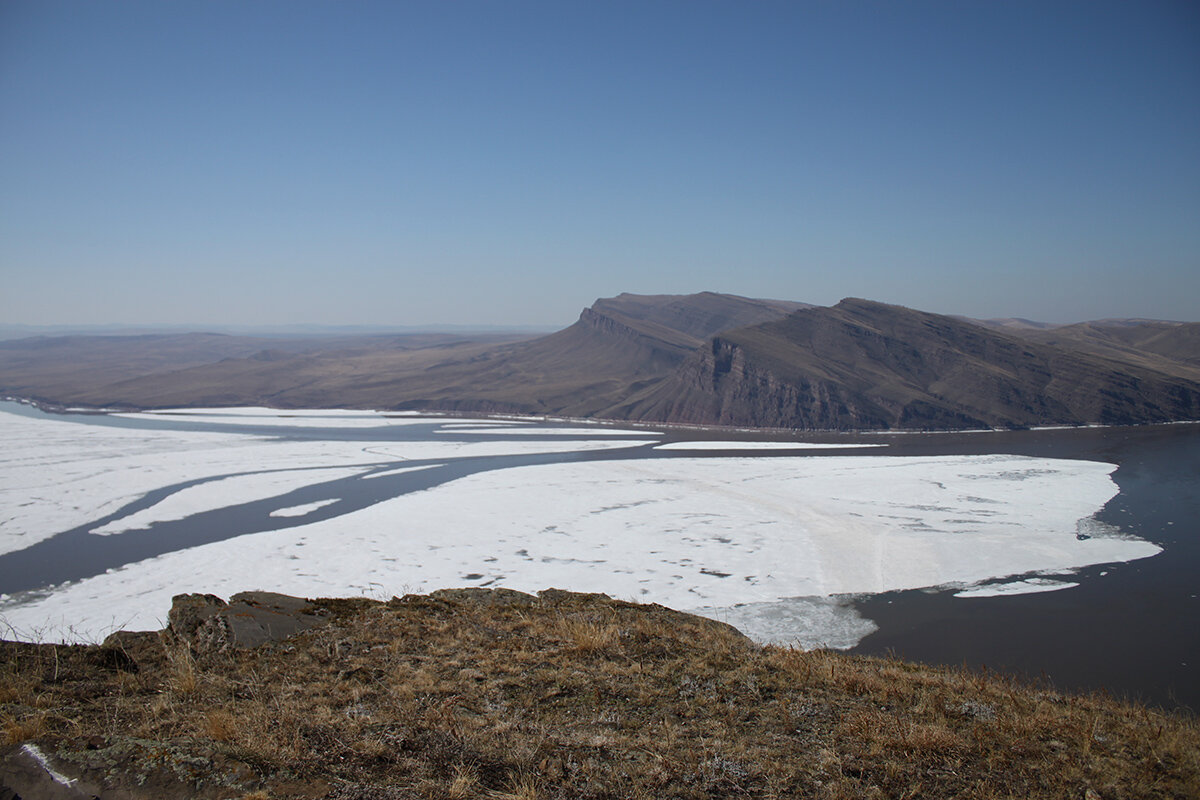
1173, 347
1010, 323
705, 358
154, 370
617, 346
11, 331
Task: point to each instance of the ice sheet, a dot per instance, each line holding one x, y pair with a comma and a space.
720, 534
57, 474
540, 431
263, 411
274, 417
758, 446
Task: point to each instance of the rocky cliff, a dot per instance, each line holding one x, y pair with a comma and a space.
865, 365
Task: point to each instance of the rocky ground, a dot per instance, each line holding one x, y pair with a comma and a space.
497, 694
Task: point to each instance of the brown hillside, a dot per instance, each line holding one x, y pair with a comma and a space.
616, 348
1171, 347
496, 694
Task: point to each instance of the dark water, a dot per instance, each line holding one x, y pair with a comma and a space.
1131, 628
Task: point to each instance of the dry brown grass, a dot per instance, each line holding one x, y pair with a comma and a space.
181, 677
24, 729
584, 697
588, 637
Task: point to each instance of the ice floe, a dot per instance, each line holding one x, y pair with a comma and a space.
491, 423
804, 622
1028, 586
387, 473
231, 491
302, 510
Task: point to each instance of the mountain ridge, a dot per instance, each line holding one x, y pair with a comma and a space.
706, 358
867, 365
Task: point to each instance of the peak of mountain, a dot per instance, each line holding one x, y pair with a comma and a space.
697, 315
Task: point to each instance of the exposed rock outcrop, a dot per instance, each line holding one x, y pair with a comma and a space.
210, 625
865, 365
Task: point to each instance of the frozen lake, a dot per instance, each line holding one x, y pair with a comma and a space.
821, 541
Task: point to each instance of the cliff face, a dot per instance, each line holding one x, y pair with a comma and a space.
863, 365
640, 340
718, 387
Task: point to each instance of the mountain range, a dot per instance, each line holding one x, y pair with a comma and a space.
706, 359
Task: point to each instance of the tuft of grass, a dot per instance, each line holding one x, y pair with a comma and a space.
220, 725
31, 727
523, 787
181, 677
588, 637
463, 783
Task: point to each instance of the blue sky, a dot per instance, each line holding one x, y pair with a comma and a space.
406, 163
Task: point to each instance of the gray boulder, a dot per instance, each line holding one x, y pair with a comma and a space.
250, 619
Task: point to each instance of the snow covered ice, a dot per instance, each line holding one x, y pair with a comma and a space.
737, 537
760, 446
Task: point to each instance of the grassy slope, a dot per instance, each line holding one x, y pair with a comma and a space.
493, 694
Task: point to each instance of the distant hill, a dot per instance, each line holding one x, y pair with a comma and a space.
193, 369
1010, 323
703, 359
1170, 346
617, 346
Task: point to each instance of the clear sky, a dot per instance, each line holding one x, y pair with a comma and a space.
405, 163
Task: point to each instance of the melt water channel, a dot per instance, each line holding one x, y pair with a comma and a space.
1130, 629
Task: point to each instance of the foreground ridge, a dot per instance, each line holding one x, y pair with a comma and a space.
471, 693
